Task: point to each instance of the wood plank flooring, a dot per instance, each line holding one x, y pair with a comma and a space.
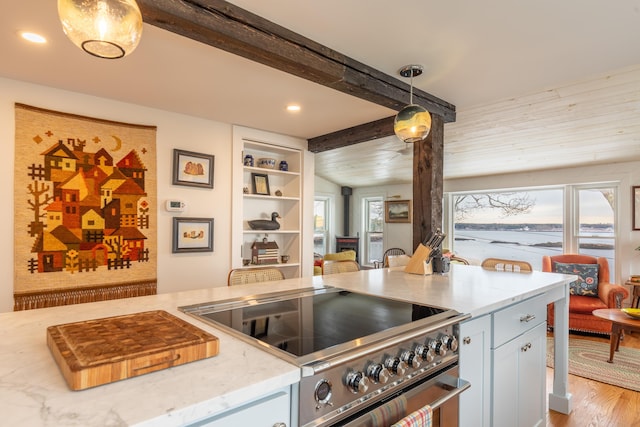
596, 404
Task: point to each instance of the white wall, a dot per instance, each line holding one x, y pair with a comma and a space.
175, 271
324, 188
395, 235
625, 175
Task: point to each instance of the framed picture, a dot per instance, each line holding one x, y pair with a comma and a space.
192, 169
397, 211
636, 208
260, 183
192, 235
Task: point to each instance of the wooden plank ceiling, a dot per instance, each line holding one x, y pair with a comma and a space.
593, 121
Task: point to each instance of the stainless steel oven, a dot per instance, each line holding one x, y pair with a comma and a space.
359, 354
439, 392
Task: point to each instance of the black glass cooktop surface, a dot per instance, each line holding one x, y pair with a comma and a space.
314, 321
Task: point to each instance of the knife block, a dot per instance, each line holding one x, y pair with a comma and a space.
418, 263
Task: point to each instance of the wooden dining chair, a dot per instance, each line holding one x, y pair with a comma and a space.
499, 264
334, 267
384, 263
242, 276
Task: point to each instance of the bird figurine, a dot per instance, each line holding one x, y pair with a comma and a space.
265, 224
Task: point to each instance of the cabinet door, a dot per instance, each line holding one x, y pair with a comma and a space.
266, 412
519, 380
532, 377
475, 367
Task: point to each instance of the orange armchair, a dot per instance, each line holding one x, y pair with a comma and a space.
580, 306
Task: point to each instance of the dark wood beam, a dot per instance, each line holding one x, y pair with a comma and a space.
225, 26
428, 160
354, 135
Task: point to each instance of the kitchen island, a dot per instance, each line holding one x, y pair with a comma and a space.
34, 393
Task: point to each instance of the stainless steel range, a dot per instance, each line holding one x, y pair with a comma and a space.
361, 356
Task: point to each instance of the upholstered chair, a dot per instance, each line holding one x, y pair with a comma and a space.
591, 292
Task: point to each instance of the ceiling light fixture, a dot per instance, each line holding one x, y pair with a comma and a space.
293, 108
413, 122
104, 28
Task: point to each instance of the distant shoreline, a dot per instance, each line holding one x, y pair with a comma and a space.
603, 246
461, 226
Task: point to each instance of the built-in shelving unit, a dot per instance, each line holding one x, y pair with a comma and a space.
285, 189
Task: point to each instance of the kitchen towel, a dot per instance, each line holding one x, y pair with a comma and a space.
420, 418
384, 415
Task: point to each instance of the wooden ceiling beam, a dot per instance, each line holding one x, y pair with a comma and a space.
353, 135
227, 27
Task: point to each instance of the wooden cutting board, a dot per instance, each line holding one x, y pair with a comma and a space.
101, 351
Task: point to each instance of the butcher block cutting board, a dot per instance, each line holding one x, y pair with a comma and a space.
101, 351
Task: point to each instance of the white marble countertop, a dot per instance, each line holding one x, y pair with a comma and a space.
33, 392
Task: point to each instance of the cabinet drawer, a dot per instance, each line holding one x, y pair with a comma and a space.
518, 319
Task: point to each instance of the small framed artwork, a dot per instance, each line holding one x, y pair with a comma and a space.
260, 183
397, 211
192, 169
636, 208
192, 235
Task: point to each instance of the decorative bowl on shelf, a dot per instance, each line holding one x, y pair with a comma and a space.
632, 312
266, 163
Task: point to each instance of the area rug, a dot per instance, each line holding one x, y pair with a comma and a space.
588, 359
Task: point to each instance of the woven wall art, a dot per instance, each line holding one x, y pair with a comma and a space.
84, 209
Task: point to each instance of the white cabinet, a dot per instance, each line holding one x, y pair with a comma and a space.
258, 192
269, 411
475, 367
518, 365
503, 356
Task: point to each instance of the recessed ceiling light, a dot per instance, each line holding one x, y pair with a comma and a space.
33, 37
293, 108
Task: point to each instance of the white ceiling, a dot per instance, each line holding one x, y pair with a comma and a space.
479, 56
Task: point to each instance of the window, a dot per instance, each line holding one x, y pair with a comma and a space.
321, 224
594, 233
374, 225
527, 224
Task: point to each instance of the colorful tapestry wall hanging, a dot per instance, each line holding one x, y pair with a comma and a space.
84, 209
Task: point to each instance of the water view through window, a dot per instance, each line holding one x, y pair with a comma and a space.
525, 225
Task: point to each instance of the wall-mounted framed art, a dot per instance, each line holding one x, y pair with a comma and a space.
397, 211
192, 235
193, 169
635, 202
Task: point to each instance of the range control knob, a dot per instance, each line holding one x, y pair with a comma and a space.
357, 382
396, 366
438, 347
451, 342
322, 394
378, 373
411, 359
426, 353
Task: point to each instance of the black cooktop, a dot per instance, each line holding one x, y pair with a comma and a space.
301, 325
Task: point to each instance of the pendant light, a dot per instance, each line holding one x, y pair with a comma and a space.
104, 28
413, 122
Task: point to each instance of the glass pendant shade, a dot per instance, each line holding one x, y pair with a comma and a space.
412, 123
104, 28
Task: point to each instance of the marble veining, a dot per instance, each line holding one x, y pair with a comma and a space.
33, 391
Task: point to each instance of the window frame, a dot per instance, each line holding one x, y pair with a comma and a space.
571, 211
328, 223
365, 259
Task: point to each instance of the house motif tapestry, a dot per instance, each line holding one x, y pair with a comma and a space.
84, 209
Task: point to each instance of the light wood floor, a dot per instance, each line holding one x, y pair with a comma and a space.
596, 404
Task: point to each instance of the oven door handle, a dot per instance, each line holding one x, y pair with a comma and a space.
456, 386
